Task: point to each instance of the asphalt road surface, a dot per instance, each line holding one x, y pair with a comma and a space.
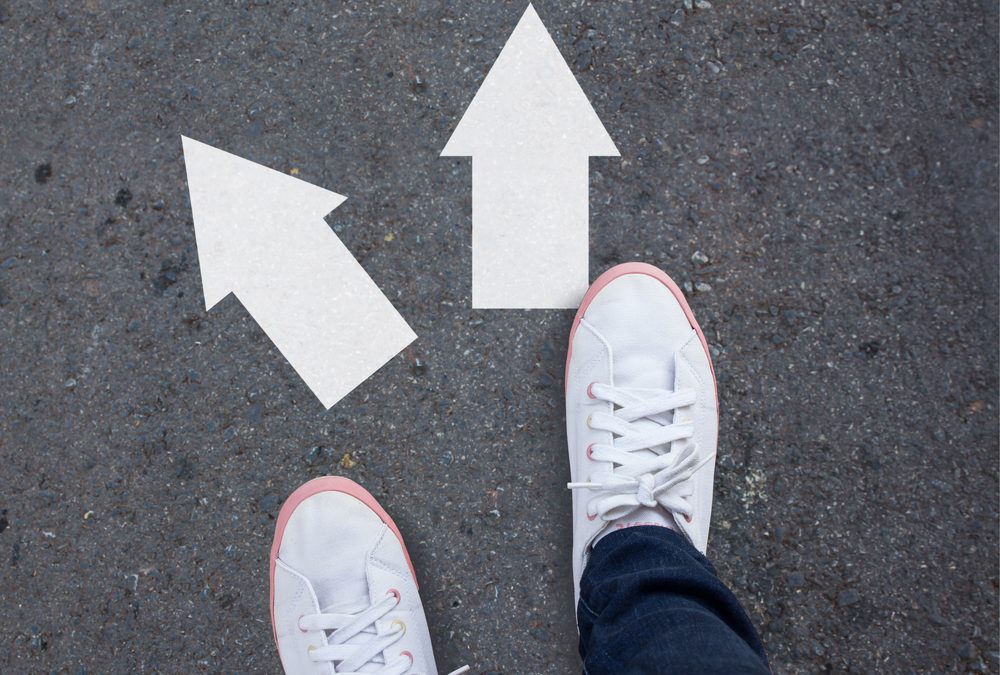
823, 174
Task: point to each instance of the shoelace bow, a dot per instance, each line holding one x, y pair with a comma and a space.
641, 480
350, 655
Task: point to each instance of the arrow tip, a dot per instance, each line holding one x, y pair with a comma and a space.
530, 100
238, 207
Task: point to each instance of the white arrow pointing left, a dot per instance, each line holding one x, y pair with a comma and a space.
261, 235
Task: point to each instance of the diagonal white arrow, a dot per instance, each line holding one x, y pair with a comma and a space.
530, 131
261, 235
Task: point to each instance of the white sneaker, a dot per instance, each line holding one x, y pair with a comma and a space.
641, 411
343, 591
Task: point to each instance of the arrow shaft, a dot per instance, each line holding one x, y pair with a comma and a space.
321, 309
529, 230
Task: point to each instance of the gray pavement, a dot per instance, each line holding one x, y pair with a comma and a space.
835, 161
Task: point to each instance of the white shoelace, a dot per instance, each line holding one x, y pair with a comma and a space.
350, 657
646, 469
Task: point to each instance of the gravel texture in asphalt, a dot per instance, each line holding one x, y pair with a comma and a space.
821, 176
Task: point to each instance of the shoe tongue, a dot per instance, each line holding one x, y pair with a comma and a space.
367, 634
346, 592
349, 587
347, 607
643, 370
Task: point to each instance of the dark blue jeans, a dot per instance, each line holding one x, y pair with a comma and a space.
650, 603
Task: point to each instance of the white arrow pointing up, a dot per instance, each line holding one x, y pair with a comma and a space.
261, 235
531, 131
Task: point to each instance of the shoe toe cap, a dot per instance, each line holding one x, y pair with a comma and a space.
327, 539
643, 324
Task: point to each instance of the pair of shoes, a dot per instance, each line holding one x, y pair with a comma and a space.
642, 425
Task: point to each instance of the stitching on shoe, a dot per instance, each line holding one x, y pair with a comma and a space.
374, 562
605, 347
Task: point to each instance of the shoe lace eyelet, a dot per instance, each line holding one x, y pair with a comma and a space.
400, 623
395, 593
590, 390
298, 623
590, 452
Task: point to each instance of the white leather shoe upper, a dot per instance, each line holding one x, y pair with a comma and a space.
337, 555
635, 335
